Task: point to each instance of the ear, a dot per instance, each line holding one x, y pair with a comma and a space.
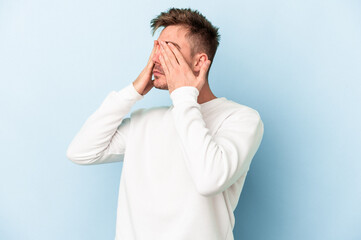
199, 60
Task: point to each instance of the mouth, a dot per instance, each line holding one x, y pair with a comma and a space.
157, 73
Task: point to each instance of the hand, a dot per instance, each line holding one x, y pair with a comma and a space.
177, 71
144, 83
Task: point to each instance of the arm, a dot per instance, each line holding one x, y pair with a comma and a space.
102, 138
215, 162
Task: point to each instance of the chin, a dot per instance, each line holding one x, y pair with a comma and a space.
160, 83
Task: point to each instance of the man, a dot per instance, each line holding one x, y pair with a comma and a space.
184, 166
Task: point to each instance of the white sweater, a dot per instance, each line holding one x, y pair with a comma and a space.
184, 165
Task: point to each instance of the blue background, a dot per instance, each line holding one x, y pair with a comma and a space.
296, 62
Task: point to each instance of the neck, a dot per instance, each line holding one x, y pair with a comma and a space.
205, 94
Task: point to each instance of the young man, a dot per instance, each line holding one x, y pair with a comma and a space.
184, 165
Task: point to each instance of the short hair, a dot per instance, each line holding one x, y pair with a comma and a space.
202, 35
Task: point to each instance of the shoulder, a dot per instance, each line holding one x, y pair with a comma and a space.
240, 111
242, 121
242, 118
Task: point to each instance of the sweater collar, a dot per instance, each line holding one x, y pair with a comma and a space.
212, 103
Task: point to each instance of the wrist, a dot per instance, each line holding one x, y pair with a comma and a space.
137, 88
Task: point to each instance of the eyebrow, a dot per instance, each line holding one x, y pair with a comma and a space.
174, 44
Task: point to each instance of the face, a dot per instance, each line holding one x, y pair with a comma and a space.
176, 35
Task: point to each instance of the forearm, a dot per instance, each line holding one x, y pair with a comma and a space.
95, 136
215, 161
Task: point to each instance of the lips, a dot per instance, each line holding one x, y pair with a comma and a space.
156, 70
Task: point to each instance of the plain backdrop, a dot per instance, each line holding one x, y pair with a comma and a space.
298, 63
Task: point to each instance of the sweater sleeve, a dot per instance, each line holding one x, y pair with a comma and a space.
102, 138
215, 162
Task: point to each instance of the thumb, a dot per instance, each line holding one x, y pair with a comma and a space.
204, 69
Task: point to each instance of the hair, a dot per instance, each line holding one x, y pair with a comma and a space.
202, 35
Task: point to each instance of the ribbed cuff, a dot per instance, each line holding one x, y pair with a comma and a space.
184, 94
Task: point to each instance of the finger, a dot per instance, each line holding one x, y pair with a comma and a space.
164, 66
168, 55
154, 49
172, 57
150, 61
204, 69
178, 54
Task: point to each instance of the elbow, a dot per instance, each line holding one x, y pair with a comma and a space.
79, 159
206, 192
209, 186
72, 156
218, 181
214, 187
209, 190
